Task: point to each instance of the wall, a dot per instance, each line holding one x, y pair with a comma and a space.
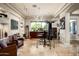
7, 27
20, 20
77, 20
56, 22
3, 28
78, 27
28, 21
0, 31
62, 32
65, 33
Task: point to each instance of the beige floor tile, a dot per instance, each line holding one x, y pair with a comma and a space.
29, 49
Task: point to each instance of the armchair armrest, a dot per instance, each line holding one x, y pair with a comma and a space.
11, 50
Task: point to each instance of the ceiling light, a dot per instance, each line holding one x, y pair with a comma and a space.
34, 5
39, 8
0, 8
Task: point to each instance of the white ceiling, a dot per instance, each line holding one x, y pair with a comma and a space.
42, 9
76, 11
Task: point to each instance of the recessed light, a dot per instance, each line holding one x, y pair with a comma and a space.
34, 5
26, 9
39, 8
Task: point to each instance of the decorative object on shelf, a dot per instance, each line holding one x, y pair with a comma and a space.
58, 25
62, 23
3, 15
3, 19
21, 24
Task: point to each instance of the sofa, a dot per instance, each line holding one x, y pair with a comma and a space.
11, 50
12, 46
20, 42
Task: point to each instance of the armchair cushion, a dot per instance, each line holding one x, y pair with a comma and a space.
3, 43
11, 50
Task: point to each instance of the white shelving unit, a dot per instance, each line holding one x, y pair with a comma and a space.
3, 21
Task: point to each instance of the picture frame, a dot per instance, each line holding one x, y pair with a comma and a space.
14, 24
62, 23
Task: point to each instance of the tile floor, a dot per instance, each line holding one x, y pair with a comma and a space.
29, 49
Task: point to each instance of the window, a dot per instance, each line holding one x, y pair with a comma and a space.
73, 26
39, 26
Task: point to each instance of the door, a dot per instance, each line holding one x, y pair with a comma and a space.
27, 31
73, 29
54, 30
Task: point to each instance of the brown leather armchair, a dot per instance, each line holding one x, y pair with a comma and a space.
20, 42
11, 50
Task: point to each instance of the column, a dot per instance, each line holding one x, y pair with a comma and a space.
67, 30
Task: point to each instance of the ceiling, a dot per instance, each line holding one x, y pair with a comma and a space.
38, 9
76, 11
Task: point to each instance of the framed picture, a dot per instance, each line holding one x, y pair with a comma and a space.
14, 24
62, 23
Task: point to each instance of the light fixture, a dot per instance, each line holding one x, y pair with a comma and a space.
34, 5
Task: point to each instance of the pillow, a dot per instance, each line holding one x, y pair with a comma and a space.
0, 47
10, 39
3, 44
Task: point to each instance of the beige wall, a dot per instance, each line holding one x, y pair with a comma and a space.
77, 19
20, 20
7, 27
28, 21
64, 33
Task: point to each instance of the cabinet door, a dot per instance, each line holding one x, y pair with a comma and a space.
54, 30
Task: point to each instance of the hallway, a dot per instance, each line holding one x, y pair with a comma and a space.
22, 24
29, 49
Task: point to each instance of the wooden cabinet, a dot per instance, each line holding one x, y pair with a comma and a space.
54, 30
35, 34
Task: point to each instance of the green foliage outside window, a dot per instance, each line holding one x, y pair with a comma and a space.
38, 26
